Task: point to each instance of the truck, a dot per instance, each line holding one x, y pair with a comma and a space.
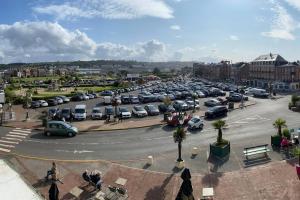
2, 97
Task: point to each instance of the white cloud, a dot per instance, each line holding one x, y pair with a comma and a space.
283, 24
109, 9
294, 3
234, 37
175, 27
46, 41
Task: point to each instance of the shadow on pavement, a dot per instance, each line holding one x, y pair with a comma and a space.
256, 161
211, 180
159, 192
44, 137
41, 183
168, 128
151, 128
216, 163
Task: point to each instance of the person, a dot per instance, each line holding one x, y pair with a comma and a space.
96, 179
53, 172
53, 192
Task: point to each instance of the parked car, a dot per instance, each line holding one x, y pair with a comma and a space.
80, 112
139, 111
180, 105
59, 100
134, 100
125, 99
236, 97
151, 109
216, 111
195, 123
67, 114
222, 101
35, 104
91, 96
96, 113
54, 113
212, 102
124, 113
43, 103
65, 99
52, 102
77, 97
60, 128
191, 105
166, 109
200, 94
108, 111
107, 93
174, 120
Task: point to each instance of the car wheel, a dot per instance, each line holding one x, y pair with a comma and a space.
201, 126
70, 134
48, 133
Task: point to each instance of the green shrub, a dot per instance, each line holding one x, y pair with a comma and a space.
294, 99
286, 133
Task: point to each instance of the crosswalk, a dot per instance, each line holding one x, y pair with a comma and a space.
13, 138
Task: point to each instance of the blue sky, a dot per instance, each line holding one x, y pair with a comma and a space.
148, 30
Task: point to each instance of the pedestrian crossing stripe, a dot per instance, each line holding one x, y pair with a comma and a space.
17, 136
22, 131
9, 142
6, 145
16, 133
5, 150
9, 138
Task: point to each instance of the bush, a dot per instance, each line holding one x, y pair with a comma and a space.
294, 99
286, 133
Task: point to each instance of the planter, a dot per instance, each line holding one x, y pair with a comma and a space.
219, 151
298, 169
275, 140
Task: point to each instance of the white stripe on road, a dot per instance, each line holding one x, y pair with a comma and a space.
5, 150
17, 136
6, 145
22, 131
16, 133
8, 138
26, 129
9, 142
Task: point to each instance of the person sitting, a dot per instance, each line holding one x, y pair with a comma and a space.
96, 179
53, 172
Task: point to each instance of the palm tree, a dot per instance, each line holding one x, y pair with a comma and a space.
167, 101
219, 125
279, 124
179, 135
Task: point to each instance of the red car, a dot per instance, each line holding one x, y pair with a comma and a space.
174, 121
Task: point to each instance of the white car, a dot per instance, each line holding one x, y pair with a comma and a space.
65, 99
85, 97
212, 102
200, 94
59, 100
43, 103
96, 113
195, 123
139, 111
124, 112
191, 105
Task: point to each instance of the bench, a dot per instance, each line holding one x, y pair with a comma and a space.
260, 149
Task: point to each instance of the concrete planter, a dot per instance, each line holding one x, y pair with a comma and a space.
275, 140
219, 151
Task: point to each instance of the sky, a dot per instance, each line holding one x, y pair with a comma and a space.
148, 30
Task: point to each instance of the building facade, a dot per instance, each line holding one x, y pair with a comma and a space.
213, 71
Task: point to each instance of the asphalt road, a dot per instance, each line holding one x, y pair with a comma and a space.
249, 126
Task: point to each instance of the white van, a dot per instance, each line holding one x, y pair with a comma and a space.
107, 99
259, 92
80, 112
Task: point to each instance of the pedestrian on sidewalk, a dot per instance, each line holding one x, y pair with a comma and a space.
53, 191
53, 172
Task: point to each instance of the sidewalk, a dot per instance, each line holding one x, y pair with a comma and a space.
101, 125
277, 180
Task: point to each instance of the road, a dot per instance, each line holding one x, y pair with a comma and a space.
249, 126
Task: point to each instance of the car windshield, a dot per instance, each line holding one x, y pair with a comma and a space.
139, 108
96, 111
124, 110
151, 107
65, 111
195, 120
80, 110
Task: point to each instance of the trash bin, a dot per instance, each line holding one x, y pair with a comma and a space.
230, 105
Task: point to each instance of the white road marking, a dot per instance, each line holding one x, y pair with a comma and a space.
8, 138
5, 150
17, 136
9, 142
16, 133
75, 151
6, 145
22, 131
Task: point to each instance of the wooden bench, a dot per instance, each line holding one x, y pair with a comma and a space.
260, 149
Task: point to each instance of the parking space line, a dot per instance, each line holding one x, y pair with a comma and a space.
8, 138
6, 145
16, 133
22, 131
5, 150
9, 142
17, 136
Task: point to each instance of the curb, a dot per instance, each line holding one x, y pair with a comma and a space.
119, 129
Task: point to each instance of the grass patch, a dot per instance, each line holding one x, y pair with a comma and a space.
31, 79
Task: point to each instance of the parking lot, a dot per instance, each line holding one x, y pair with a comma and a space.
183, 91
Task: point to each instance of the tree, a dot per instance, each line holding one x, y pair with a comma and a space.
294, 99
279, 124
179, 135
296, 152
167, 101
156, 71
219, 125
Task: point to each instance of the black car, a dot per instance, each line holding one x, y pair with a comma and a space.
216, 111
151, 110
52, 102
54, 113
125, 99
35, 104
108, 111
164, 108
67, 114
77, 97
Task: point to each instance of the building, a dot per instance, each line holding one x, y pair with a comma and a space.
212, 71
239, 72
